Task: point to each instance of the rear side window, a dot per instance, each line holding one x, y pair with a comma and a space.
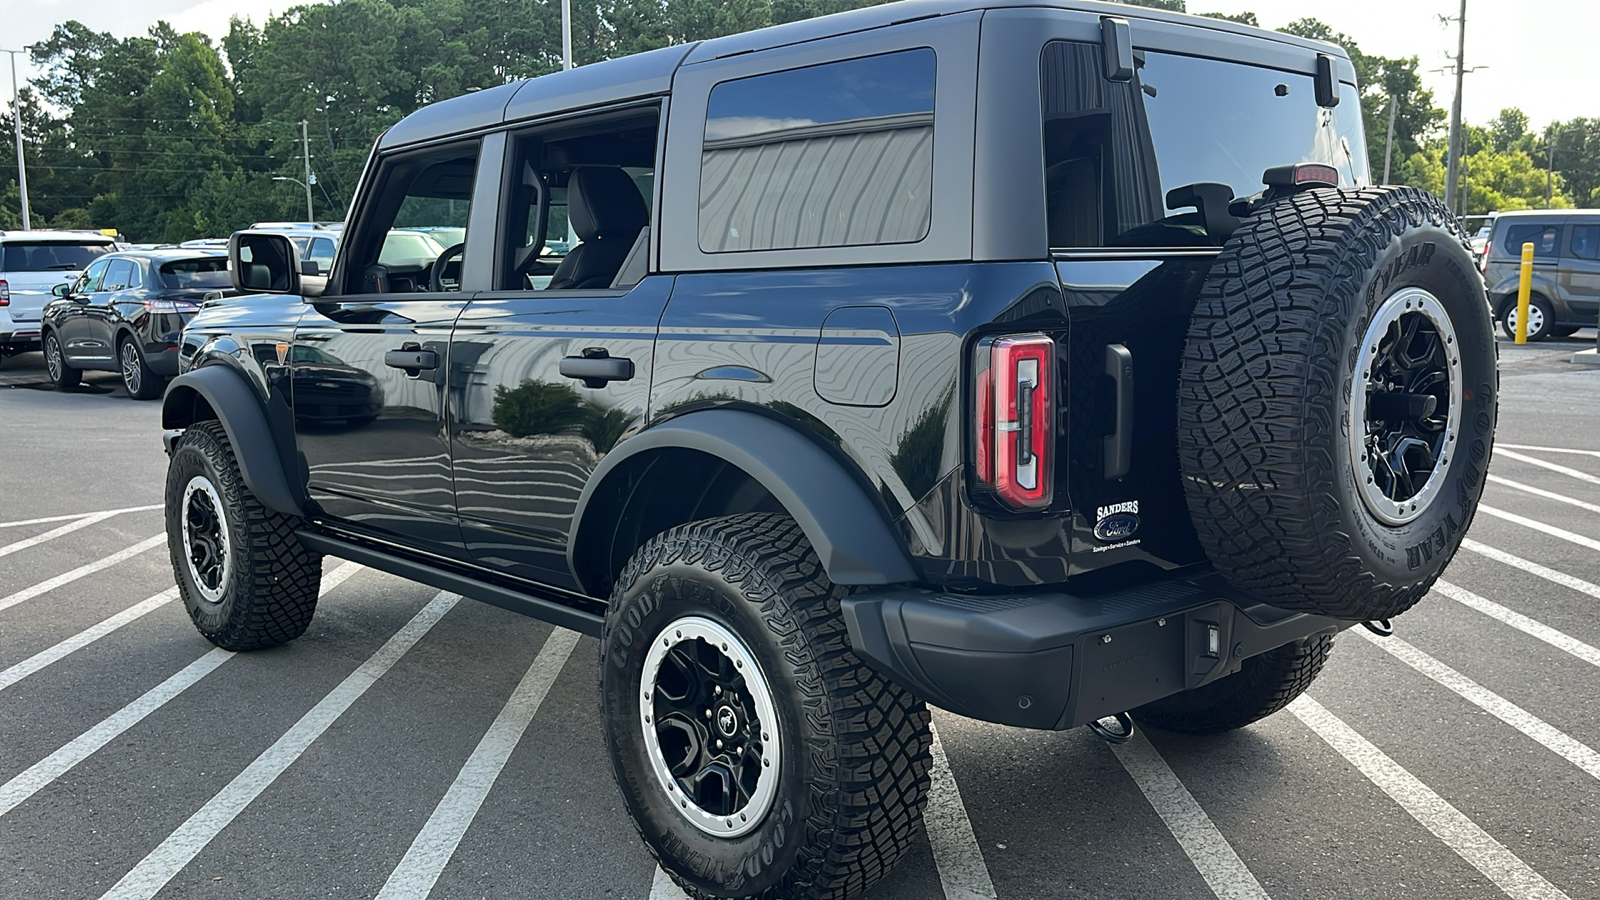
1586, 241
43, 256
1546, 239
834, 155
202, 273
1114, 149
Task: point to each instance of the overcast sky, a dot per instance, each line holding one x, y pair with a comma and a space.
1537, 51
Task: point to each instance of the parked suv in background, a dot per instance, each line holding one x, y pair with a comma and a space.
32, 263
1566, 270
125, 314
1045, 364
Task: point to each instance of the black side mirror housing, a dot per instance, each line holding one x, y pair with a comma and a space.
263, 262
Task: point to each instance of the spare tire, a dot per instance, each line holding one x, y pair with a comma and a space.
1337, 402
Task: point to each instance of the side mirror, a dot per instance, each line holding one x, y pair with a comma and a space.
61, 290
263, 262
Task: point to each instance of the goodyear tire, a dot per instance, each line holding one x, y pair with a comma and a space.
245, 579
1337, 401
1263, 685
758, 755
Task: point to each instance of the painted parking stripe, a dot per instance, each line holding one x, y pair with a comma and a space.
86, 569
1548, 495
1433, 812
956, 854
95, 632
1213, 857
1534, 461
1536, 525
1500, 446
1533, 568
69, 517
1556, 741
438, 839
153, 872
663, 888
62, 761
1533, 627
54, 533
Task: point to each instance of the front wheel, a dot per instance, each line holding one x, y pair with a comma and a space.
55, 364
757, 754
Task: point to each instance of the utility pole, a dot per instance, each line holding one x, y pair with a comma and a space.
1550, 167
1388, 144
305, 145
566, 34
16, 120
1454, 154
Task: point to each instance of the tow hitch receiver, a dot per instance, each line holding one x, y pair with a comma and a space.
1117, 729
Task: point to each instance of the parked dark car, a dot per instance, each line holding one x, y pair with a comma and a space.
125, 314
1053, 365
1566, 270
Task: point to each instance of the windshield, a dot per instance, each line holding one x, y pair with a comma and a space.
408, 247
201, 273
44, 256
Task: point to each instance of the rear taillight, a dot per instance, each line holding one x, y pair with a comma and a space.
5, 293
170, 306
1015, 452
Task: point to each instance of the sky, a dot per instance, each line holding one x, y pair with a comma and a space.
1536, 51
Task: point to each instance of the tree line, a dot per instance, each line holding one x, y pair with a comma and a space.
170, 136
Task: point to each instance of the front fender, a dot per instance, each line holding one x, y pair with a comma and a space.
849, 532
220, 392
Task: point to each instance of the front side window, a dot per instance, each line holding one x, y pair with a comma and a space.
1586, 241
394, 249
89, 281
833, 155
1113, 150
1546, 240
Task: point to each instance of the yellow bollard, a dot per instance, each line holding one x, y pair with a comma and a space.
1524, 287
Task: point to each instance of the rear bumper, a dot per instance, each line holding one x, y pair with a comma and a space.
1055, 660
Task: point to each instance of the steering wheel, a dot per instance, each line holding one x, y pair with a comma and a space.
436, 273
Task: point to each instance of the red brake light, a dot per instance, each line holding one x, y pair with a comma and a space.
1016, 420
5, 293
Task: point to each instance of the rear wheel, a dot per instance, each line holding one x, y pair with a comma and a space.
1541, 319
246, 580
142, 383
55, 364
758, 756
1263, 685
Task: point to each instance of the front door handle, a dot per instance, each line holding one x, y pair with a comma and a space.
595, 368
412, 358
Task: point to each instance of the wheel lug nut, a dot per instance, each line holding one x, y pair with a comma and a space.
718, 690
708, 713
719, 743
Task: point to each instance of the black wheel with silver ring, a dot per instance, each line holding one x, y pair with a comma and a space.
206, 548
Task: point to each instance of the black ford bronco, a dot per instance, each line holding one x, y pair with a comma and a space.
1044, 363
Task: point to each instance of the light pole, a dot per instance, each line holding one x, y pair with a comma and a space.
1550, 164
16, 120
304, 184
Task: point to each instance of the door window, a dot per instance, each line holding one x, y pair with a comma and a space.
834, 155
1546, 240
119, 275
420, 195
1586, 241
89, 281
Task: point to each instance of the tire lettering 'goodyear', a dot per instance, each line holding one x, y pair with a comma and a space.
1437, 542
1418, 255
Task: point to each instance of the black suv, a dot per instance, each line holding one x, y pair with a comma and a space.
1045, 364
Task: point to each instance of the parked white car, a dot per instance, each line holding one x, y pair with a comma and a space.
32, 263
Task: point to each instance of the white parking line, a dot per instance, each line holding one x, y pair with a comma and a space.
82, 747
54, 533
86, 569
59, 763
158, 867
1536, 525
1500, 446
1213, 857
95, 632
1558, 742
662, 887
1548, 495
438, 839
1533, 461
1533, 568
956, 854
1448, 824
1543, 632
67, 518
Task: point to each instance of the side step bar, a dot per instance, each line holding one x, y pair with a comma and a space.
550, 608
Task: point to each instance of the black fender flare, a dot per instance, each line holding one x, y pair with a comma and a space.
849, 532
238, 407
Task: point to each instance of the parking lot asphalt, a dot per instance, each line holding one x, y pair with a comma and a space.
410, 745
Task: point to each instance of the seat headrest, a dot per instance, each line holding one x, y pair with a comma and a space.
603, 202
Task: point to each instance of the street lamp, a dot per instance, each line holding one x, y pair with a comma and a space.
310, 217
16, 120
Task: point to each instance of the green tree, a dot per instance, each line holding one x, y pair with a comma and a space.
1243, 18
1576, 157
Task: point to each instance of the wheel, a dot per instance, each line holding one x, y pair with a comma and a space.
141, 382
246, 580
1263, 685
758, 756
1541, 319
55, 364
1561, 331
1337, 402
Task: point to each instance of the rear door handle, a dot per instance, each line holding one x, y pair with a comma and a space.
596, 370
1119, 443
412, 359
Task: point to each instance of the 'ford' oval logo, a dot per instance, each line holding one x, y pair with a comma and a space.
1116, 527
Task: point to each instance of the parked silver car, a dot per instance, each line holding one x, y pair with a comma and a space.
32, 263
1566, 270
